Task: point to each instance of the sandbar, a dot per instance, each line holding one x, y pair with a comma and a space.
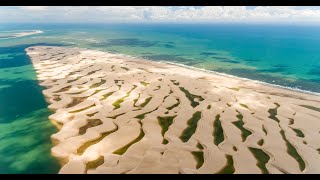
120, 114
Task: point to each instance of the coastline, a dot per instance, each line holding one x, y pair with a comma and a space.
160, 115
246, 79
218, 73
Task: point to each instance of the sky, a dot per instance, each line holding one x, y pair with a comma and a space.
160, 14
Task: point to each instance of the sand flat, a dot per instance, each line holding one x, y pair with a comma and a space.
10, 35
119, 114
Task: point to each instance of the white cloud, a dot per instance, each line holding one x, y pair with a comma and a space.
188, 14
35, 8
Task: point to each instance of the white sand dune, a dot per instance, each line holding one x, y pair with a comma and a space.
118, 114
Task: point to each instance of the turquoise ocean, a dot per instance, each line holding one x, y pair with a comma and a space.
283, 55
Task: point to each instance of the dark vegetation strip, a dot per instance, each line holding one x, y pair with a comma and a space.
229, 168
90, 123
126, 147
243, 105
76, 101
142, 116
199, 146
146, 102
165, 123
74, 79
175, 82
311, 107
125, 68
191, 97
262, 159
244, 132
234, 88
273, 113
79, 110
218, 134
135, 101
175, 105
95, 163
92, 72
96, 91
264, 130
97, 84
144, 83
117, 103
298, 132
293, 152
198, 155
92, 114
114, 117
57, 98
192, 126
82, 148
105, 96
63, 89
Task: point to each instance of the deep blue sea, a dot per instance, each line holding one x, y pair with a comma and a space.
285, 55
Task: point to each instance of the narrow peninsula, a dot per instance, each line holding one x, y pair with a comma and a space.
121, 114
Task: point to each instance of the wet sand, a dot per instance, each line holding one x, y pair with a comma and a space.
119, 114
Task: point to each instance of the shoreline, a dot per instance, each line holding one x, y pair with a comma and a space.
21, 34
217, 73
124, 114
246, 79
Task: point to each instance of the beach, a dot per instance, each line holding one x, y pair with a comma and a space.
121, 114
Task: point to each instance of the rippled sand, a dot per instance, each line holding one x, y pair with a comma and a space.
119, 114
